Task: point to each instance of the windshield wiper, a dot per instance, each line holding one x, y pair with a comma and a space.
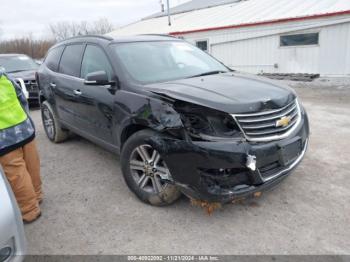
209, 73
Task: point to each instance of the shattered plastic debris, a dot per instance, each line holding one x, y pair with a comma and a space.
257, 194
239, 201
208, 207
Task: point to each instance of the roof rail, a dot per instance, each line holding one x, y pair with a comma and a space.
163, 35
98, 36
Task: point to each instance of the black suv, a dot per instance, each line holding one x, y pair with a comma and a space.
182, 121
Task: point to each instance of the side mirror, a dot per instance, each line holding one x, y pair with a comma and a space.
98, 78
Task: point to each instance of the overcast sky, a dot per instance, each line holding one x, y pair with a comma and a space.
22, 17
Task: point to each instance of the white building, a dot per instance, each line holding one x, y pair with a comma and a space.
271, 36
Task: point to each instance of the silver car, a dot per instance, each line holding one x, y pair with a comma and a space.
12, 239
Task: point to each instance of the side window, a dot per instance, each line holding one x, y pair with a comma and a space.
299, 39
71, 59
95, 60
202, 45
53, 58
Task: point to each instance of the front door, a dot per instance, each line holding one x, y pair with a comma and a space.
98, 101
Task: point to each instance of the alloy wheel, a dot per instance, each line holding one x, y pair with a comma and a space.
48, 123
148, 169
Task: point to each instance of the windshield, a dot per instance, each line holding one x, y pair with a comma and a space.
17, 63
152, 62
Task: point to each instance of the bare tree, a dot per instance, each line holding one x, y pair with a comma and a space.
64, 30
102, 26
0, 29
60, 30
26, 45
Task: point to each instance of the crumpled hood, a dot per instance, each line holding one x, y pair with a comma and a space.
229, 92
25, 75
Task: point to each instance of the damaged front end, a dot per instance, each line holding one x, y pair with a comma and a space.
212, 159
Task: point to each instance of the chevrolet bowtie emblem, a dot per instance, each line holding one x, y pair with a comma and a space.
283, 122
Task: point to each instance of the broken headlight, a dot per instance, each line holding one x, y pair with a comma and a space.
208, 124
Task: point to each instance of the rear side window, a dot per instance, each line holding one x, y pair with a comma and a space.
53, 58
71, 60
95, 60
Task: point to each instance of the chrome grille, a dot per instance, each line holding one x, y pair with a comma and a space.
270, 125
31, 85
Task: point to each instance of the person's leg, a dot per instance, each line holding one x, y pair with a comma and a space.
32, 160
17, 174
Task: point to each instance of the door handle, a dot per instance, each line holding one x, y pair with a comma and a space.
53, 85
77, 92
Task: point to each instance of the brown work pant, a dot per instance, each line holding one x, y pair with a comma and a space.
22, 169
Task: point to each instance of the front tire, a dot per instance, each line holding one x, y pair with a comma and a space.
52, 126
145, 172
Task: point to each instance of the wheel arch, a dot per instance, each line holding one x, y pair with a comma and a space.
139, 111
128, 131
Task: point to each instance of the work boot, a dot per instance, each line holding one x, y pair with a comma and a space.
30, 218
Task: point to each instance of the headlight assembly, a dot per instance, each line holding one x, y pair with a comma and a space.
208, 124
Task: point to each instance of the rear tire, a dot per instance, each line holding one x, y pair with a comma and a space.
52, 126
145, 173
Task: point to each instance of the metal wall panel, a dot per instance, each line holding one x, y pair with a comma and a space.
254, 55
252, 51
335, 48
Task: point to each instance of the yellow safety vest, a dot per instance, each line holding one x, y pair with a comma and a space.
11, 111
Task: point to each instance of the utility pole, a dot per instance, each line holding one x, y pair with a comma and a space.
169, 19
161, 6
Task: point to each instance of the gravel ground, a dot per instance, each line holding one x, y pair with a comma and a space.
89, 210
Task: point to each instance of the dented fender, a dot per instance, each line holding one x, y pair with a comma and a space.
150, 112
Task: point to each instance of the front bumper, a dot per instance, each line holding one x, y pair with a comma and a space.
33, 96
218, 172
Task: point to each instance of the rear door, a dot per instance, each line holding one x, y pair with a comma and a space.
98, 105
68, 84
48, 72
